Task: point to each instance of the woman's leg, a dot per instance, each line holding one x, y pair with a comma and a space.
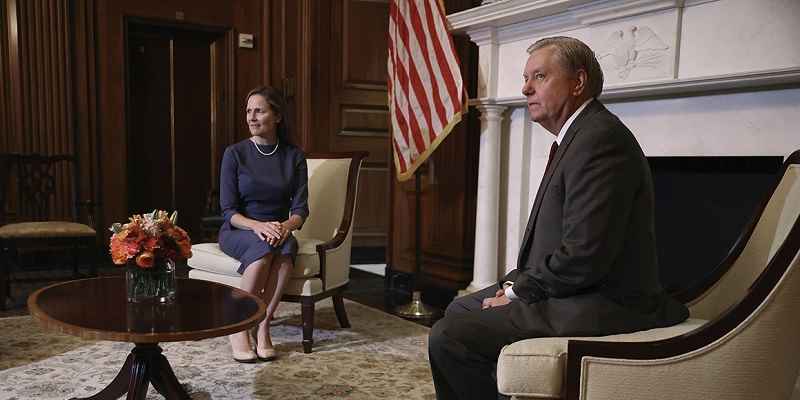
273, 290
253, 281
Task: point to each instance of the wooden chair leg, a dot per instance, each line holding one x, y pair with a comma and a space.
341, 313
4, 285
93, 256
307, 312
76, 249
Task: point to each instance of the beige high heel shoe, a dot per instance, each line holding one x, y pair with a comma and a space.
245, 356
266, 354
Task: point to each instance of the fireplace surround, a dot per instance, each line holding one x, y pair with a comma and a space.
715, 78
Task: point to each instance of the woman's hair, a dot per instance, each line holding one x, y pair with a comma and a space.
278, 105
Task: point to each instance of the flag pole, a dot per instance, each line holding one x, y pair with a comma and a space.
416, 309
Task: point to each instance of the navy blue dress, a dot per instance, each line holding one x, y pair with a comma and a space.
264, 188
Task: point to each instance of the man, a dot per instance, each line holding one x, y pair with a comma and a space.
587, 265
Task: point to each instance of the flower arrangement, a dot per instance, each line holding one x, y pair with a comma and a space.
148, 238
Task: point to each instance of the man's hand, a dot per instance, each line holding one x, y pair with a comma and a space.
498, 300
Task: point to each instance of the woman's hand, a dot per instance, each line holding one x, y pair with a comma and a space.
286, 232
272, 232
294, 222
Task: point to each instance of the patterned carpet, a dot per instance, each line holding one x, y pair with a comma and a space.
380, 357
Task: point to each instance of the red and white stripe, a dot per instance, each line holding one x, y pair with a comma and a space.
426, 92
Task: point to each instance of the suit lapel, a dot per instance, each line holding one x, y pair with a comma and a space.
576, 126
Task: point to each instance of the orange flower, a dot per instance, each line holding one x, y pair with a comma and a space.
145, 260
148, 237
119, 255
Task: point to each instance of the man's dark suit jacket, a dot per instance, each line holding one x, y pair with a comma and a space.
587, 264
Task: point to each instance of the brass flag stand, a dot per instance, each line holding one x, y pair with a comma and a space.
416, 309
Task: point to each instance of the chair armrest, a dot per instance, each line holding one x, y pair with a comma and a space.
349, 205
335, 242
329, 247
728, 324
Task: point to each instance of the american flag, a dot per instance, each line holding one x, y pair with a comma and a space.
426, 93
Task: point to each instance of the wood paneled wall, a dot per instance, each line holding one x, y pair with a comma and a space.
63, 70
357, 109
245, 72
62, 64
5, 80
41, 77
448, 196
37, 94
84, 95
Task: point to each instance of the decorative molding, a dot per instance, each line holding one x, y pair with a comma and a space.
533, 28
515, 19
508, 12
595, 13
491, 111
631, 48
691, 3
483, 36
751, 81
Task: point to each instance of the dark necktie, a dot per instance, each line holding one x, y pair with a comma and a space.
553, 148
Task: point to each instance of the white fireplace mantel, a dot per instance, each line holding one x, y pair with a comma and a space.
688, 77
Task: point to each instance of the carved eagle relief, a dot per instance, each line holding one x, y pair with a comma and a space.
631, 48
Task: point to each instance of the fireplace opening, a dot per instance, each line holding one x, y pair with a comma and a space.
701, 206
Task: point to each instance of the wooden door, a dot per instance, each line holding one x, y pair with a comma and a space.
358, 108
171, 123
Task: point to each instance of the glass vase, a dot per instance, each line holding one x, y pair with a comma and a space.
155, 284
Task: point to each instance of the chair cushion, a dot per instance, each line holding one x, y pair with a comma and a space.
209, 257
536, 367
45, 229
295, 286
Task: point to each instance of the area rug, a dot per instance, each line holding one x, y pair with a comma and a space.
380, 357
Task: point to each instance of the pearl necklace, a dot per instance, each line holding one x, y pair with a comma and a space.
266, 154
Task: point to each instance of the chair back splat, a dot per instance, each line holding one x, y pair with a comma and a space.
46, 187
39, 209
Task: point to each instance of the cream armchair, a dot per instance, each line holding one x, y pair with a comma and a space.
322, 266
741, 341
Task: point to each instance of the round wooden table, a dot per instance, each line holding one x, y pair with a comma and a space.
97, 309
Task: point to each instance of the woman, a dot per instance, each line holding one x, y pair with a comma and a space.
264, 197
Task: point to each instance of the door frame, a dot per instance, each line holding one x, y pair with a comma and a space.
223, 85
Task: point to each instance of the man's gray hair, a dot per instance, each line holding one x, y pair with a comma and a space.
575, 55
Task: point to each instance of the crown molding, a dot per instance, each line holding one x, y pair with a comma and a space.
516, 19
743, 82
483, 36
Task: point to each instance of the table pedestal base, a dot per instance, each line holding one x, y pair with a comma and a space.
143, 366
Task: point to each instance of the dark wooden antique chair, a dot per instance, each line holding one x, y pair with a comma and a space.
39, 211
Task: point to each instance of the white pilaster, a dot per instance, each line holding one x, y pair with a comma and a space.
487, 219
486, 39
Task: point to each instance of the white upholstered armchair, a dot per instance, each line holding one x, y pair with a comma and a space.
322, 265
741, 341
